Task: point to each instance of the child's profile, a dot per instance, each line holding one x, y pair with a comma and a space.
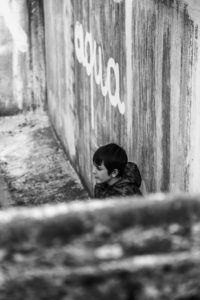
113, 174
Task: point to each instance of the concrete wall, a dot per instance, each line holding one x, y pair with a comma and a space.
127, 72
142, 249
22, 61
5, 64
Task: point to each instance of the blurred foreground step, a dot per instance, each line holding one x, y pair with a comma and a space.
129, 248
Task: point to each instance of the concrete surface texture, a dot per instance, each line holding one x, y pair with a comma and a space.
5, 197
152, 49
33, 167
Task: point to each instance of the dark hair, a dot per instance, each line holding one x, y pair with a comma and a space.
113, 157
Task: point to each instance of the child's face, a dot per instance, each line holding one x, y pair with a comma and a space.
101, 174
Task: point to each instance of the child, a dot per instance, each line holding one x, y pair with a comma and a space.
114, 175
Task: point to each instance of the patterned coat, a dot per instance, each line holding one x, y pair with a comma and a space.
127, 185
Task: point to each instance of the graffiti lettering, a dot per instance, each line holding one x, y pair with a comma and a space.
87, 54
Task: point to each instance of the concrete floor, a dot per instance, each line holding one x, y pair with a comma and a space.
5, 197
34, 169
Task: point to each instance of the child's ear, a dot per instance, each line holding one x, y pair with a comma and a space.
115, 173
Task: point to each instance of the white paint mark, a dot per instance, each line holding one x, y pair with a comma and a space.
86, 53
88, 56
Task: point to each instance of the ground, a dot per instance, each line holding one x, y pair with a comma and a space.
34, 169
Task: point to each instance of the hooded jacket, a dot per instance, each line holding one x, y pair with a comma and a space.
127, 185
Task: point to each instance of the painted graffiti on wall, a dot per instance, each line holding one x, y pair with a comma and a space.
86, 50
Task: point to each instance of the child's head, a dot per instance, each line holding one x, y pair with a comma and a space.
109, 161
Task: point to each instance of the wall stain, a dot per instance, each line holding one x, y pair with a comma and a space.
166, 106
